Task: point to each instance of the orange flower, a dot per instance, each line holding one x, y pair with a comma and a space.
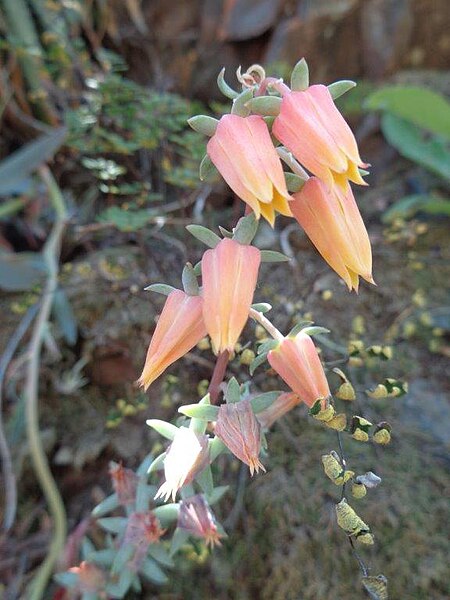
296, 361
187, 456
283, 404
331, 219
197, 518
312, 128
243, 152
180, 327
240, 431
229, 275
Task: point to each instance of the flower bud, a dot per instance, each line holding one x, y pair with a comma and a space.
240, 431
143, 529
197, 518
124, 483
91, 579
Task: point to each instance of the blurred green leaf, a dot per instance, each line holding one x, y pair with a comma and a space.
20, 164
418, 105
429, 150
64, 315
21, 271
408, 206
10, 207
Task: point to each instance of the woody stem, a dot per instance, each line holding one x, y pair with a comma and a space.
262, 320
218, 376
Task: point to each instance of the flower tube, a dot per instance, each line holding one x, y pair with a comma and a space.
283, 404
180, 327
196, 518
229, 276
312, 128
332, 221
243, 152
296, 361
187, 456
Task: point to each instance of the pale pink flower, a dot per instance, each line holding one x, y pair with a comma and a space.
197, 518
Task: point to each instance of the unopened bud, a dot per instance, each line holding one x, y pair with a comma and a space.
348, 520
379, 392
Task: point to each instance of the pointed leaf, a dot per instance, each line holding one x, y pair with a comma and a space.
263, 401
160, 554
65, 317
311, 331
240, 103
267, 106
246, 229
216, 494
233, 391
205, 480
338, 88
167, 513
198, 411
160, 288
165, 429
271, 256
224, 87
300, 76
189, 280
299, 327
294, 182
267, 346
104, 557
67, 580
203, 124
203, 234
157, 463
216, 447
206, 169
262, 307
106, 506
113, 524
179, 538
225, 232
257, 362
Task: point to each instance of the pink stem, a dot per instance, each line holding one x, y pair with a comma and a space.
218, 376
278, 84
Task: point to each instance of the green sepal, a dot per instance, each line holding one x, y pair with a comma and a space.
233, 391
263, 401
311, 331
205, 412
103, 557
198, 268
165, 429
160, 288
206, 168
189, 280
123, 555
246, 229
300, 76
266, 106
158, 462
272, 256
225, 232
257, 362
203, 234
217, 494
153, 572
294, 182
203, 124
262, 307
338, 88
179, 538
268, 345
113, 524
316, 408
160, 554
67, 580
224, 87
363, 172
205, 480
106, 506
299, 327
240, 103
216, 447
167, 513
